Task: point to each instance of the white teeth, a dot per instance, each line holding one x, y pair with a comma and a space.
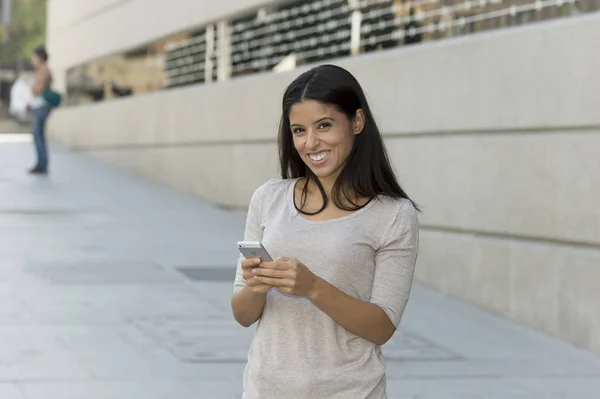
318, 157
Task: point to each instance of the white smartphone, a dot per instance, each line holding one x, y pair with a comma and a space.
254, 249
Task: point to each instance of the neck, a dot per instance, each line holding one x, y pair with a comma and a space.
327, 184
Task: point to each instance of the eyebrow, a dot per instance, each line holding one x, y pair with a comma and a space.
318, 121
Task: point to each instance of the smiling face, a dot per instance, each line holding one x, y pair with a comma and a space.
323, 136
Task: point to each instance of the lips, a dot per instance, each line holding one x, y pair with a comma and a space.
319, 156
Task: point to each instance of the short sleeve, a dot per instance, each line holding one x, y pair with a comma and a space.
395, 263
253, 232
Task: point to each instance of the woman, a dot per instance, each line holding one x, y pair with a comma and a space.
344, 235
40, 108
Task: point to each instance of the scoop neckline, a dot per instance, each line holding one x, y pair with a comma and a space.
298, 215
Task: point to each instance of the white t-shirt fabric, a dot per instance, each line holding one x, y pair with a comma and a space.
20, 97
298, 351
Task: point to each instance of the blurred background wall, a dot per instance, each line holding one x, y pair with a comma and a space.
492, 122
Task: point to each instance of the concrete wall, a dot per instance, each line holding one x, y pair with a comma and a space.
495, 135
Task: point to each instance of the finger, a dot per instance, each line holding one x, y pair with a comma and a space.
248, 263
275, 282
251, 261
268, 265
279, 265
287, 260
253, 282
275, 273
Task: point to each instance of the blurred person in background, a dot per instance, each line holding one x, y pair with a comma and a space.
40, 108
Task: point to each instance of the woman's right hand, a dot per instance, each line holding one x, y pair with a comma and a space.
247, 266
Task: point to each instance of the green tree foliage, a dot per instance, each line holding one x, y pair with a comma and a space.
27, 30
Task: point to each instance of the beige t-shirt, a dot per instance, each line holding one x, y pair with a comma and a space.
298, 351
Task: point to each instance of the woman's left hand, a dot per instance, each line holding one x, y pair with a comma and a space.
288, 275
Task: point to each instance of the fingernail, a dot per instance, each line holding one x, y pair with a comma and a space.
254, 271
256, 261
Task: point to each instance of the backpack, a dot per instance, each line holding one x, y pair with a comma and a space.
52, 97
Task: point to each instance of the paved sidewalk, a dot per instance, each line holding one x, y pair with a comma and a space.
112, 286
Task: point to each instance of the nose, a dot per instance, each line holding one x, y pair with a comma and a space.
312, 139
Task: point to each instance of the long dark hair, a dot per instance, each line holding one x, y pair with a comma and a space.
41, 52
367, 171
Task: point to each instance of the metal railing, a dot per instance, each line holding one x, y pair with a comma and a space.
282, 37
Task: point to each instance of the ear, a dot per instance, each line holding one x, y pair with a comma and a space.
358, 122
